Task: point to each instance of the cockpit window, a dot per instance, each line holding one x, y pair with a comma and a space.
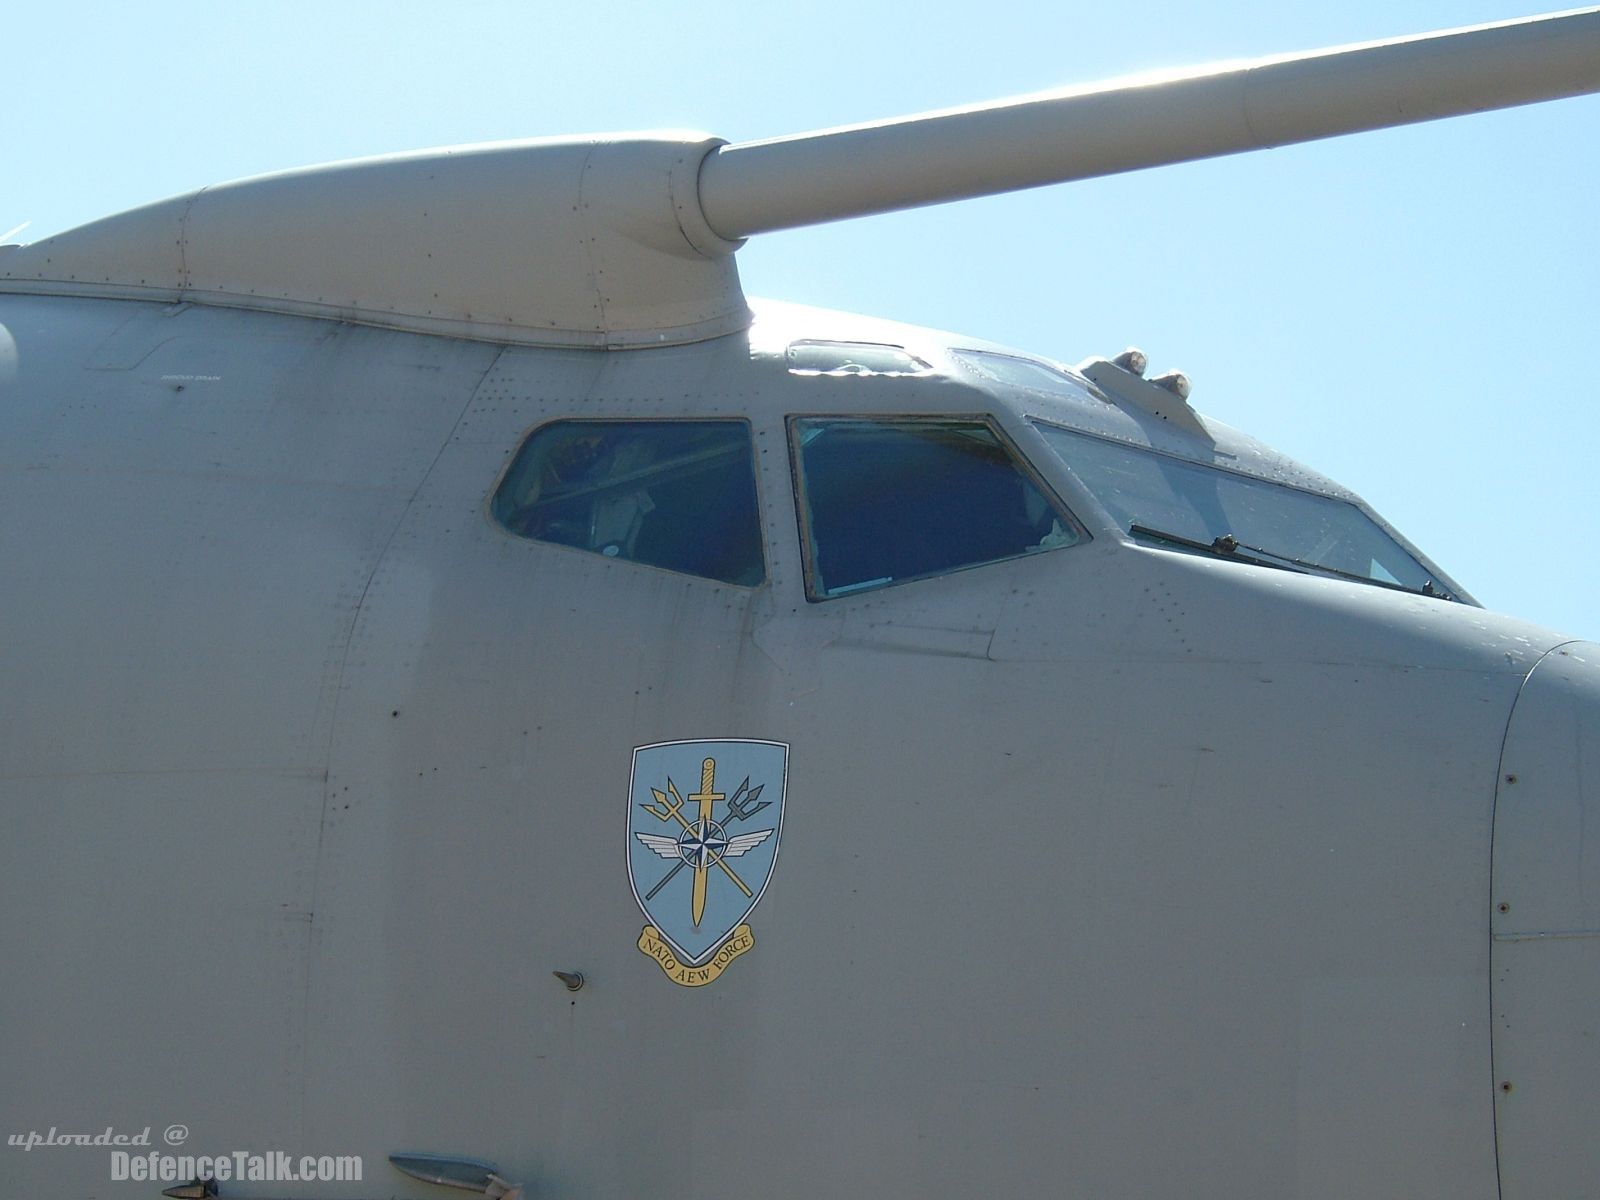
1023, 372
852, 358
890, 500
674, 494
1171, 502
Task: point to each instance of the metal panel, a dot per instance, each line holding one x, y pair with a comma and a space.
593, 241
497, 689
188, 522
1107, 871
1546, 955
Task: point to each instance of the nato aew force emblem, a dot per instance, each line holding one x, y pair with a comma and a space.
703, 826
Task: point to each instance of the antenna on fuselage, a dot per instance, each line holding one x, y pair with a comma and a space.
1145, 121
624, 241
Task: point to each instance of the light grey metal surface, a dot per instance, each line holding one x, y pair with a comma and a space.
592, 241
1108, 870
627, 240
1099, 871
1124, 125
1547, 931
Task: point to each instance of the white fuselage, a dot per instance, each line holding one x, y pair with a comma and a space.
1107, 871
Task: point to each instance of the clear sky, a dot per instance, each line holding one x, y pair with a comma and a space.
1412, 312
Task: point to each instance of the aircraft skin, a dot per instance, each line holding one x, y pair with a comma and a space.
1111, 870
342, 818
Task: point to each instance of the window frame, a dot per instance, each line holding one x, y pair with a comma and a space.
989, 421
1343, 496
533, 431
922, 370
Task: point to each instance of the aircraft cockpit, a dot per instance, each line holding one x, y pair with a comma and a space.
674, 494
1196, 486
436, 593
881, 501
883, 498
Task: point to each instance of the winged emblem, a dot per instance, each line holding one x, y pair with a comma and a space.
738, 844
703, 847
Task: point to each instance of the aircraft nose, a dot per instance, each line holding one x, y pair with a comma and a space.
1545, 913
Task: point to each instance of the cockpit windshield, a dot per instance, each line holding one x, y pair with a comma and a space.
1172, 502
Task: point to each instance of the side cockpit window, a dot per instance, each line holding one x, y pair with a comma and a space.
891, 500
674, 494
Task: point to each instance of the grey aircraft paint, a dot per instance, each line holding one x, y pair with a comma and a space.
1114, 869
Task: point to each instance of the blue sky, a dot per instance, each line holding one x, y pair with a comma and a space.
1412, 312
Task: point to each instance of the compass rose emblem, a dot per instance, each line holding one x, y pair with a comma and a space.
700, 859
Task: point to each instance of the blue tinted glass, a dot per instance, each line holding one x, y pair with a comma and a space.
674, 494
1200, 503
887, 501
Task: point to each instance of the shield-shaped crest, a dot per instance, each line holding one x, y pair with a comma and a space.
704, 819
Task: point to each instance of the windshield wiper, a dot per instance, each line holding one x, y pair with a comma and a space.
1220, 547
1427, 589
1228, 546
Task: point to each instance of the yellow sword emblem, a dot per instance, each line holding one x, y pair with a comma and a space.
708, 851
705, 797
